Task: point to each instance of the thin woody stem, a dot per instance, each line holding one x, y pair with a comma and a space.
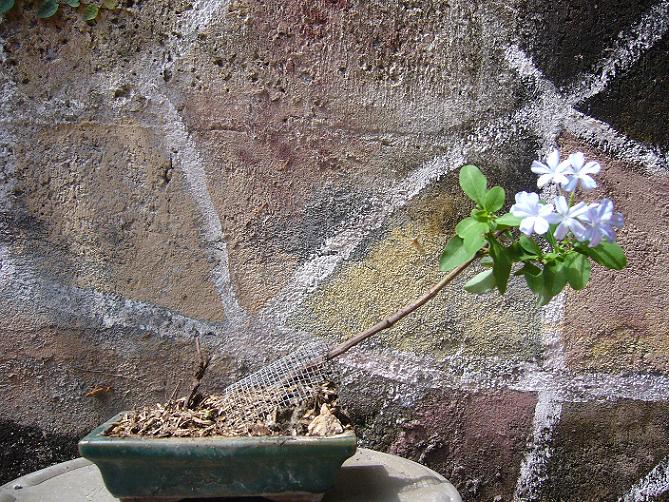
392, 319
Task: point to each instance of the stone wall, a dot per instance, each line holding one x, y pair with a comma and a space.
268, 173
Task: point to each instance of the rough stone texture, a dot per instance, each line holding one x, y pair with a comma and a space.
574, 36
603, 448
402, 264
103, 207
620, 322
267, 173
647, 87
476, 439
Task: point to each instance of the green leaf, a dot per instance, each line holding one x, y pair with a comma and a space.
577, 267
508, 220
110, 4
529, 245
473, 183
528, 268
548, 283
90, 12
493, 200
535, 282
73, 3
517, 253
5, 5
486, 261
502, 264
470, 226
474, 242
555, 278
47, 9
471, 230
454, 254
481, 283
607, 254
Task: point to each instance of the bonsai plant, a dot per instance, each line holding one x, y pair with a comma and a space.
550, 241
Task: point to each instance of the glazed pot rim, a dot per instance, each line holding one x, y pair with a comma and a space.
98, 435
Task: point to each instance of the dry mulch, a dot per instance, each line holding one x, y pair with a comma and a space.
317, 416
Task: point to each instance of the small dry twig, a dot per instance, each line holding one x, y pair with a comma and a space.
203, 364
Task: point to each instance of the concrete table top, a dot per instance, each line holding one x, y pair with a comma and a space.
368, 476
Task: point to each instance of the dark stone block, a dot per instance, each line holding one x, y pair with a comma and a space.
25, 449
637, 103
475, 440
568, 38
603, 449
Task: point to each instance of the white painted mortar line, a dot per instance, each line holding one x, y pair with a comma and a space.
626, 54
496, 373
654, 484
477, 374
533, 473
605, 137
549, 104
527, 70
190, 161
109, 309
344, 241
628, 48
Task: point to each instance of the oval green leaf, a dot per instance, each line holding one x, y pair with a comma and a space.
607, 254
110, 4
473, 183
577, 270
494, 199
6, 5
481, 283
502, 264
454, 254
472, 233
470, 226
73, 3
529, 245
47, 9
555, 278
508, 220
90, 12
474, 242
486, 261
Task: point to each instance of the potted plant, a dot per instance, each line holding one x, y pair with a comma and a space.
548, 241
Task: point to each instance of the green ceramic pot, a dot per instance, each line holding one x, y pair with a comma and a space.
216, 467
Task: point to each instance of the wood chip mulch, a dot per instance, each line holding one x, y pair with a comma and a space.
318, 416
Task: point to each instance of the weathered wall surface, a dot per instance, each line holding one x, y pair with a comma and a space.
267, 173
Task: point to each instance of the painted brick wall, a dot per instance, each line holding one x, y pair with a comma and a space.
264, 174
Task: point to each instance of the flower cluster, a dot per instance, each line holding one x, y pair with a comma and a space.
576, 233
589, 223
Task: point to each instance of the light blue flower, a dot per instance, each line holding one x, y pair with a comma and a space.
566, 218
534, 214
599, 222
580, 173
553, 171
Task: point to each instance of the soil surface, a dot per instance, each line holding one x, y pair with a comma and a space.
319, 415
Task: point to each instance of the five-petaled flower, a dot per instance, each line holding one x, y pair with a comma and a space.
566, 218
552, 171
533, 213
580, 173
599, 222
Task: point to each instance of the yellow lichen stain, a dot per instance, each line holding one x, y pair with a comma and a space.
401, 267
624, 349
